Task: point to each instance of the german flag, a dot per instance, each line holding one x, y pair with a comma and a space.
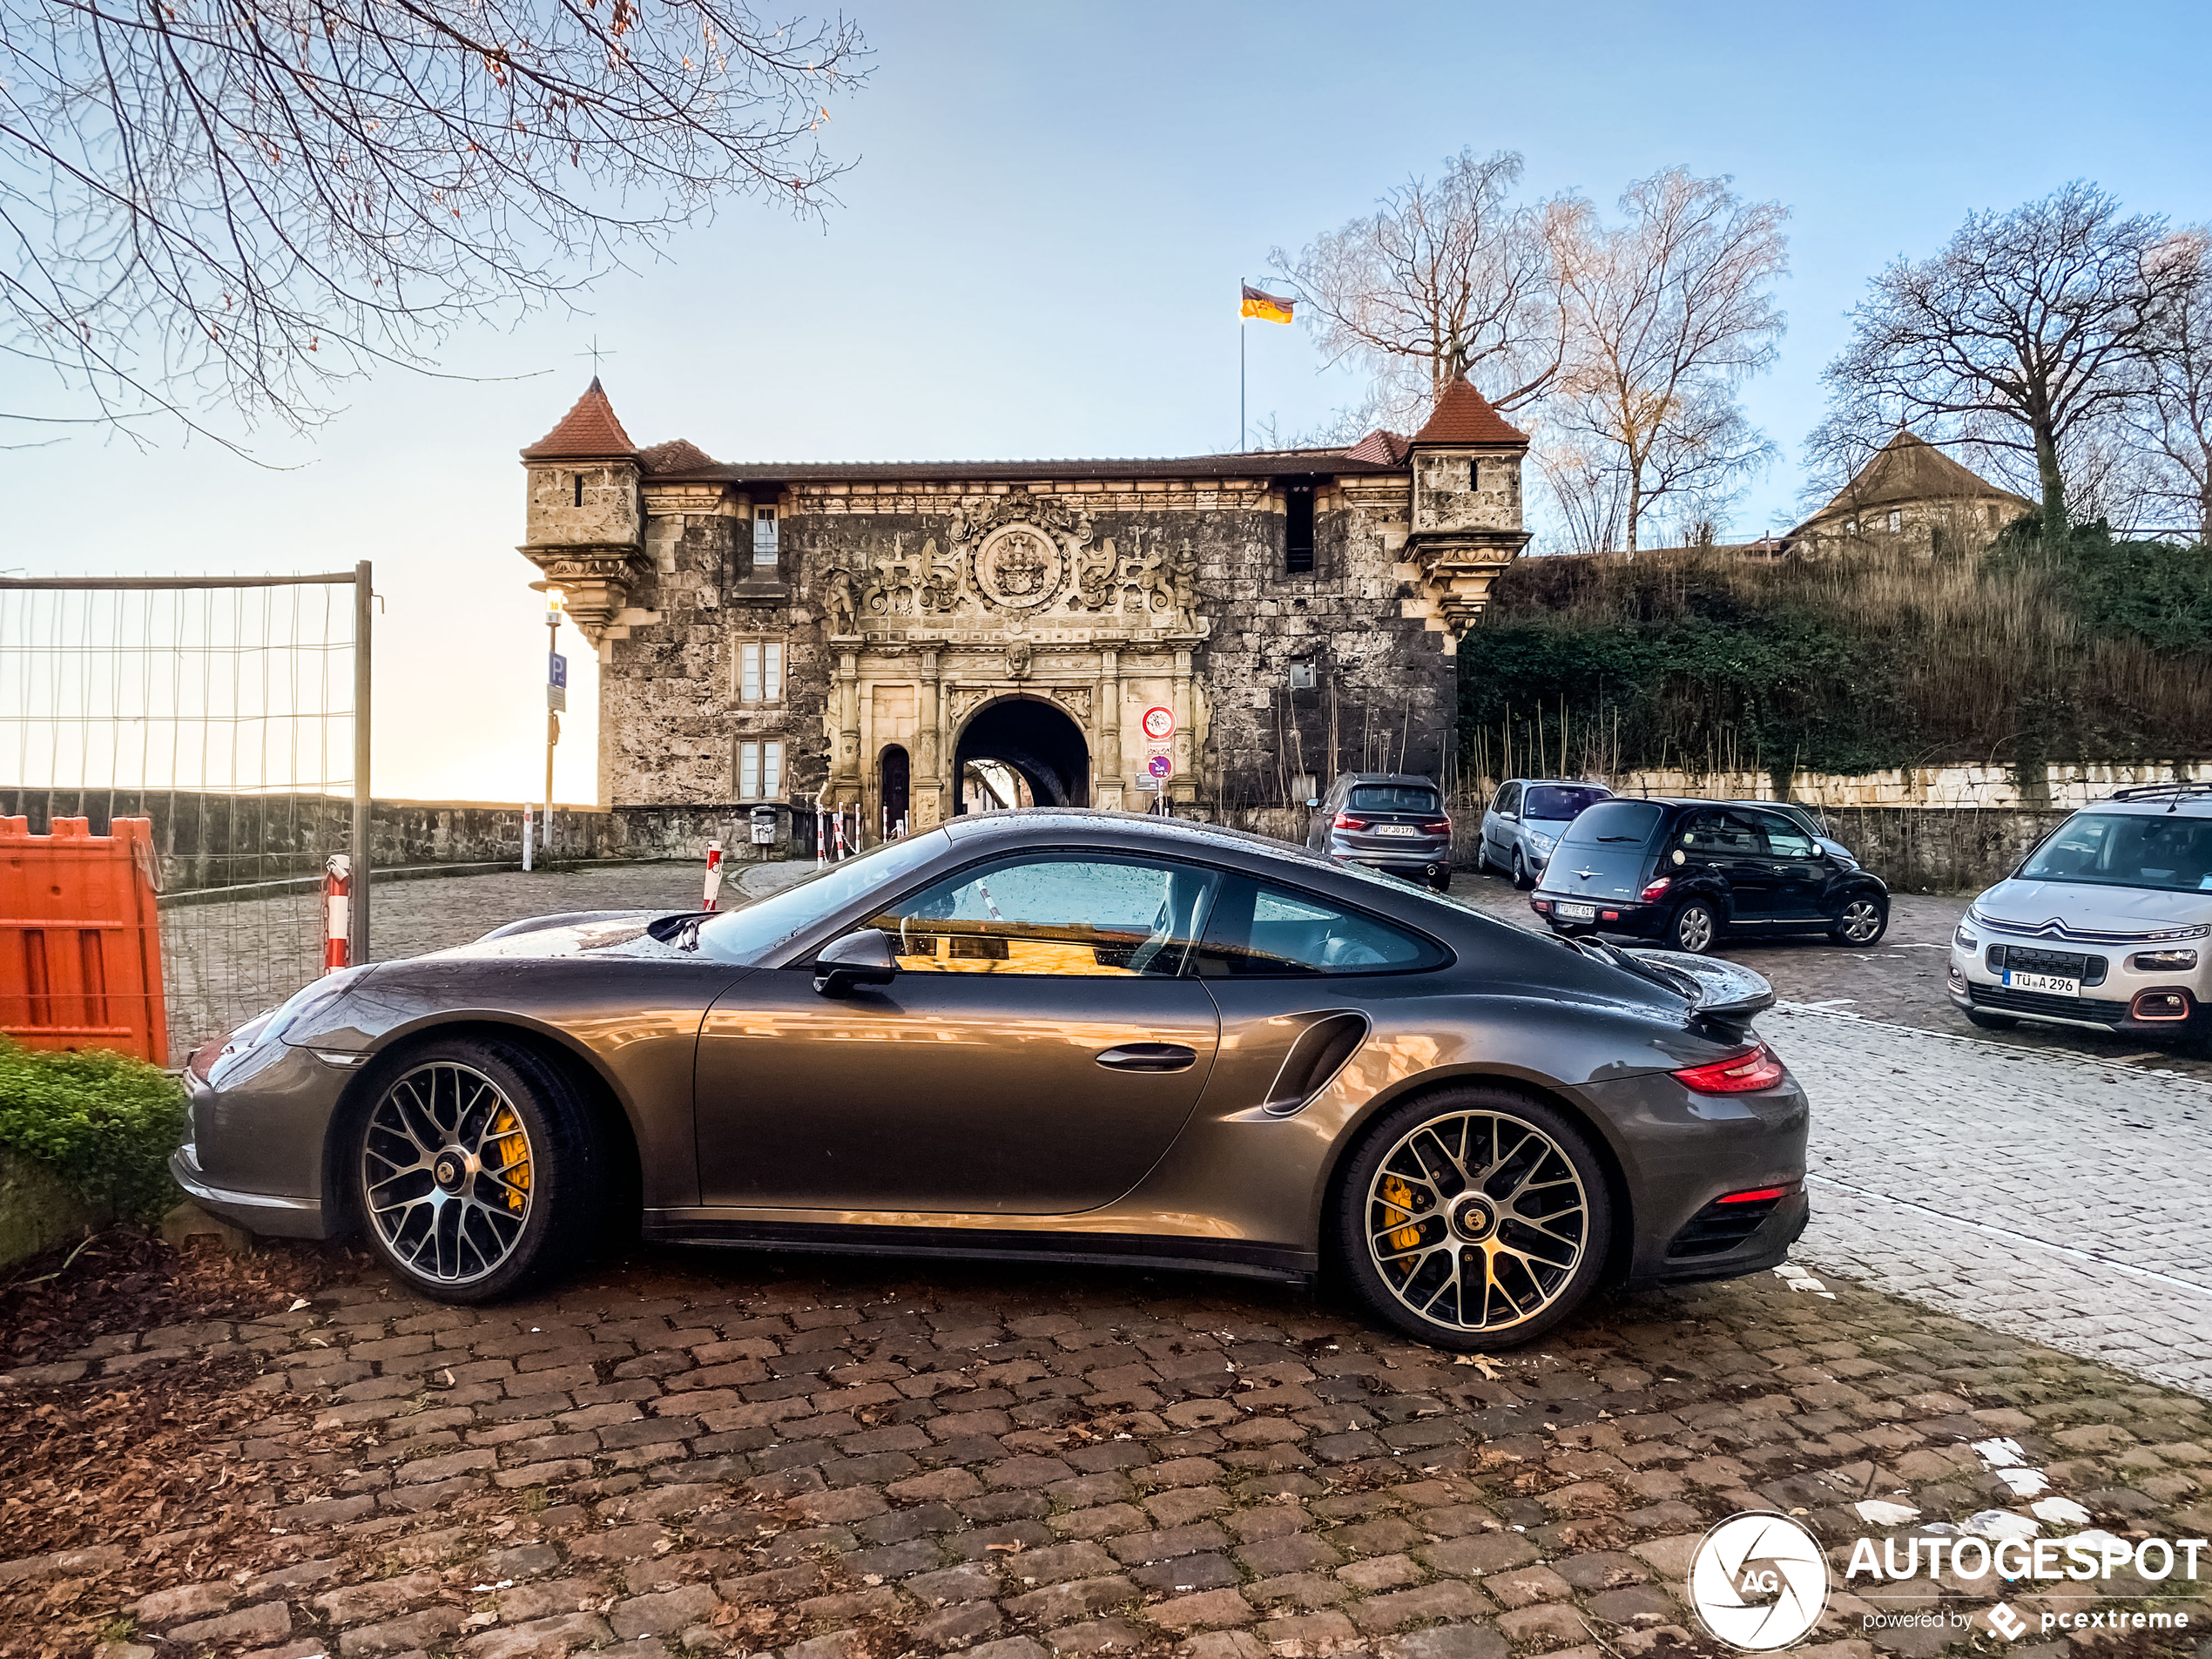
1265, 307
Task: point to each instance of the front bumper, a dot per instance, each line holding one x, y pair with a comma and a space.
2120, 998
269, 1214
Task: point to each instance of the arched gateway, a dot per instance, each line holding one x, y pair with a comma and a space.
1034, 739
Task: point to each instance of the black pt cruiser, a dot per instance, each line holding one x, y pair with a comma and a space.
1687, 872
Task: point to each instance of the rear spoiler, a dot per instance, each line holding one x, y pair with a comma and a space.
1721, 993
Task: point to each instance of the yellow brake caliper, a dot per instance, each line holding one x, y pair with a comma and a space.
514, 1157
1398, 1201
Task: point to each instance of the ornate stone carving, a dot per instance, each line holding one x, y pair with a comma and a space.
889, 589
843, 598
1019, 567
1018, 659
594, 577
961, 702
1075, 699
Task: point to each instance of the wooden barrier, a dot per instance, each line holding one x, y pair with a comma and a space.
80, 938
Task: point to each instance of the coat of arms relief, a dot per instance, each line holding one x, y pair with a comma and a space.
1019, 557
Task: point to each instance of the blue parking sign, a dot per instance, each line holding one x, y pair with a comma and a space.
557, 670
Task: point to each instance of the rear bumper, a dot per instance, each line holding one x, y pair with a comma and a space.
1636, 921
1414, 867
269, 1214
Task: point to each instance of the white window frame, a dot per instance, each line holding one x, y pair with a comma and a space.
760, 769
764, 541
760, 671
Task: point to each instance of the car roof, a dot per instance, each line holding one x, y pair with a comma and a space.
1566, 782
1386, 778
2157, 801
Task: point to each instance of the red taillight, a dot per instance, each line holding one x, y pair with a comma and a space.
1758, 1197
1656, 888
1738, 1075
1346, 820
1437, 827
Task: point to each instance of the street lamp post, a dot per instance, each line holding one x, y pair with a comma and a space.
555, 699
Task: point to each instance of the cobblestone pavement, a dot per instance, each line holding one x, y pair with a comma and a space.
832, 1460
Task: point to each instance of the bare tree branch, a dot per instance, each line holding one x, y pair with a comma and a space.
233, 206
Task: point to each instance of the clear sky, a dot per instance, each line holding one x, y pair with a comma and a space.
1038, 254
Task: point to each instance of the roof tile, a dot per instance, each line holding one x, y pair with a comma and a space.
589, 429
1464, 416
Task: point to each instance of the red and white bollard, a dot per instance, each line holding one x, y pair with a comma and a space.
337, 912
713, 876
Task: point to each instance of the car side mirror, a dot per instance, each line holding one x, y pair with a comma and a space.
1315, 802
860, 958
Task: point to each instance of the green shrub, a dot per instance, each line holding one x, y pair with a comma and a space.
104, 1121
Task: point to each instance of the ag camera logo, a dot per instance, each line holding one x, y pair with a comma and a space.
1758, 1582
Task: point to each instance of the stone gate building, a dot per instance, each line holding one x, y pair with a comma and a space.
858, 633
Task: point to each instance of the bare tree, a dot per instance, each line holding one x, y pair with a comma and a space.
1667, 314
2178, 423
241, 202
1441, 279
2029, 330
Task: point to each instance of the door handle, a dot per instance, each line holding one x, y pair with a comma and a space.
1150, 1056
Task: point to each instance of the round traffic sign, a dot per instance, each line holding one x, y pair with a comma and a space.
1159, 765
1159, 723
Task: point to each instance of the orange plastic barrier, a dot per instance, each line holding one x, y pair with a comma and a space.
80, 938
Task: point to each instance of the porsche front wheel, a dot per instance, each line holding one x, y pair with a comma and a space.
466, 1166
1478, 1218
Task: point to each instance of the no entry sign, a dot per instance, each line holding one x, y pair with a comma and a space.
1159, 723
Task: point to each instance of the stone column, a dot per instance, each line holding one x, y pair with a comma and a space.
847, 775
925, 783
1107, 723
1183, 787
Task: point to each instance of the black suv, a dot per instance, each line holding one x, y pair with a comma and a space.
1685, 872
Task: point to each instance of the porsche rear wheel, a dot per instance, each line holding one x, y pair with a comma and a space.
1477, 1219
469, 1168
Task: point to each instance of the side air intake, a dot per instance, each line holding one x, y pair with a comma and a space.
1315, 1059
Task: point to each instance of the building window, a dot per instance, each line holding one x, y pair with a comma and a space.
760, 672
579, 489
764, 537
760, 770
1297, 529
1896, 521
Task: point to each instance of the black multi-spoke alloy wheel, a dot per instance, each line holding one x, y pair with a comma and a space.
1862, 921
1475, 1218
1694, 928
472, 1166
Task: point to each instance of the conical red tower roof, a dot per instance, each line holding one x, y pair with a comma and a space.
587, 430
1464, 416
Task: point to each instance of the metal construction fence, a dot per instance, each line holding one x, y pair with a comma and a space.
233, 711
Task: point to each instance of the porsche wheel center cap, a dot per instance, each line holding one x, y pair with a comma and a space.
1473, 1216
448, 1170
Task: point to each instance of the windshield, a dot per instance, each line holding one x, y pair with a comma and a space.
1561, 801
1615, 823
1392, 797
2172, 855
750, 935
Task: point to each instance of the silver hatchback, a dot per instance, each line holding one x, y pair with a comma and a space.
1526, 818
2108, 923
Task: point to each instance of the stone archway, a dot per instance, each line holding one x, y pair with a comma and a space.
1038, 740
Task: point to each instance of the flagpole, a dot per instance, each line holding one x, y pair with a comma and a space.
1241, 428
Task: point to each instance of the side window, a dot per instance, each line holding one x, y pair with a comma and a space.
1092, 918
1508, 800
1783, 838
1264, 932
1716, 834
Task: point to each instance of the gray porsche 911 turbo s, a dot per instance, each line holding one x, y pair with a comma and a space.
1079, 1035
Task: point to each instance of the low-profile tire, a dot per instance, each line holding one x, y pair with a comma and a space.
1694, 928
1522, 878
1474, 1219
472, 1168
1864, 920
1989, 1022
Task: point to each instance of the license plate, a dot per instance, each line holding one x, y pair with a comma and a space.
1396, 829
1575, 912
2048, 984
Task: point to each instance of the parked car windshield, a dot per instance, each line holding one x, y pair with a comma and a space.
2173, 854
1615, 823
750, 933
1562, 800
1392, 797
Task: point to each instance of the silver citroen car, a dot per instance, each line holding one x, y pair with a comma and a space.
2108, 923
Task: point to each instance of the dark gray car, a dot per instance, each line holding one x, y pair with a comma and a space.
1082, 1035
1390, 822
